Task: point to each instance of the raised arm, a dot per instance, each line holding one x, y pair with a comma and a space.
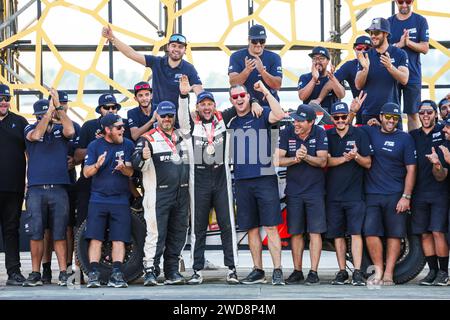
128, 51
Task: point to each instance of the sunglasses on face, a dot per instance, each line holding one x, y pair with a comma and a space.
237, 95
5, 98
256, 41
109, 107
119, 127
427, 112
142, 86
392, 117
362, 47
375, 33
401, 2
169, 115
343, 117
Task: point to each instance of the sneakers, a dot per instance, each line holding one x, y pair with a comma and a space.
312, 279
136, 205
150, 277
93, 279
295, 278
33, 280
63, 278
232, 277
175, 279
429, 278
15, 279
196, 278
358, 278
116, 280
46, 276
441, 278
256, 276
341, 278
277, 277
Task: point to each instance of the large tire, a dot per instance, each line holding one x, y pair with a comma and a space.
132, 266
410, 263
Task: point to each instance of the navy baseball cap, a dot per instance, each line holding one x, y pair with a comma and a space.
447, 121
107, 99
304, 112
166, 107
443, 101
109, 120
179, 38
63, 96
4, 90
380, 24
142, 85
40, 107
363, 40
390, 108
429, 103
205, 95
320, 50
257, 31
339, 108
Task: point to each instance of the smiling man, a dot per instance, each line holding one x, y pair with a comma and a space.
254, 63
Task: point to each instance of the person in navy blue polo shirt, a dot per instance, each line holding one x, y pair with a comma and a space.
254, 63
430, 197
166, 71
108, 162
258, 204
388, 185
47, 201
380, 70
303, 150
347, 72
311, 84
139, 119
349, 153
410, 32
444, 108
12, 183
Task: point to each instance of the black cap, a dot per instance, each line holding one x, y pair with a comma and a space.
257, 31
304, 112
320, 50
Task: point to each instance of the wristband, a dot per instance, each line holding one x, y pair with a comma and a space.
406, 196
184, 96
254, 100
60, 108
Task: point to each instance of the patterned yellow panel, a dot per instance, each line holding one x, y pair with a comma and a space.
260, 6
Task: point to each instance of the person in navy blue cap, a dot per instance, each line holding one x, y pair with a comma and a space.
388, 186
12, 183
347, 72
311, 84
349, 154
444, 109
166, 71
429, 205
409, 31
257, 197
303, 150
63, 98
48, 176
161, 154
108, 162
140, 119
380, 70
249, 65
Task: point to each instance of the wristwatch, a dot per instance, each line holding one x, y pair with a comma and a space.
60, 108
253, 100
406, 196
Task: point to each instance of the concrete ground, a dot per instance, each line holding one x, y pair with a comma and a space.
214, 286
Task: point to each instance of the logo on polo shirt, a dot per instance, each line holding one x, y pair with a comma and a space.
392, 60
436, 134
230, 68
351, 143
389, 143
178, 76
13, 126
130, 121
412, 30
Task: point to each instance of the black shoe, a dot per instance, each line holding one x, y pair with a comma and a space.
150, 277
93, 279
341, 278
136, 205
256, 276
232, 277
63, 278
295, 278
441, 279
46, 276
358, 278
277, 277
196, 278
33, 280
116, 280
175, 279
429, 278
15, 279
312, 279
